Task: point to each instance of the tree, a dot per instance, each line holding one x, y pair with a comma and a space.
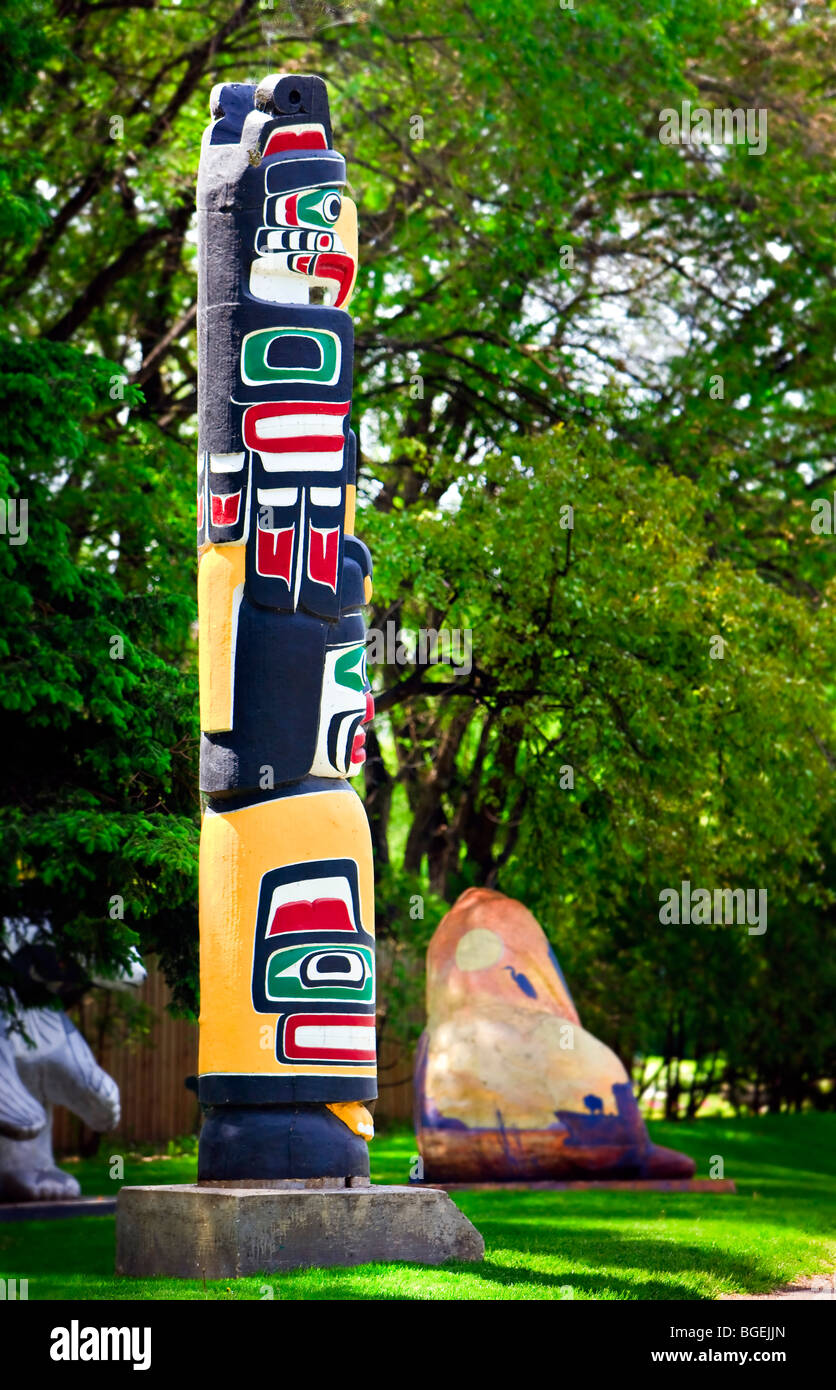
636, 714
97, 806
533, 256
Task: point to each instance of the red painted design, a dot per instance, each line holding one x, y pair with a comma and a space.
323, 555
225, 508
289, 139
200, 510
293, 444
336, 266
275, 553
323, 914
293, 1051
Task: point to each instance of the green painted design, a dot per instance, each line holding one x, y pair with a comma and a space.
256, 371
349, 669
292, 974
319, 208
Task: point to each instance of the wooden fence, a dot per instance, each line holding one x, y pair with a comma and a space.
151, 1074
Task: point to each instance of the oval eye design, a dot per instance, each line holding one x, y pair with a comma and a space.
322, 971
333, 968
320, 208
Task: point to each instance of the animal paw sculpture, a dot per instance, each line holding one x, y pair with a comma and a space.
57, 1069
21, 1116
509, 1086
46, 1062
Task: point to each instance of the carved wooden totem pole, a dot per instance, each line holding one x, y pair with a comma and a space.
287, 1035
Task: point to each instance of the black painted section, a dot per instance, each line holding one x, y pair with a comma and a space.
308, 786
230, 109
301, 95
278, 674
265, 945
286, 1141
228, 1088
221, 330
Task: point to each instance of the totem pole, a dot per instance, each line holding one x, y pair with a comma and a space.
287, 1024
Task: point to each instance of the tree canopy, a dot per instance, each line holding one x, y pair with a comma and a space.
595, 375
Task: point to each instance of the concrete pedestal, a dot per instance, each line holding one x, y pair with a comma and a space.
223, 1232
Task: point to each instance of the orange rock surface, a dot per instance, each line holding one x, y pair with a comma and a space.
509, 1085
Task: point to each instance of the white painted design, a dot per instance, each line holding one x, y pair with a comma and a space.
337, 701
307, 890
278, 496
333, 1036
355, 973
298, 585
302, 463
276, 284
226, 463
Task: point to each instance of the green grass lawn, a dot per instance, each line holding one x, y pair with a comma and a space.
601, 1245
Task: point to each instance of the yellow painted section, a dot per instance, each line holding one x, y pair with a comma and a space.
346, 229
350, 508
220, 573
354, 1114
236, 849
367, 589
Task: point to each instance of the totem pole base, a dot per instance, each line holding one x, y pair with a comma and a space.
225, 1231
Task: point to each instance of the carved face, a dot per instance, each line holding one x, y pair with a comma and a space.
346, 706
300, 243
313, 964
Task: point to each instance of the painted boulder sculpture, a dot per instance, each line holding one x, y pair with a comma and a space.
287, 1024
509, 1086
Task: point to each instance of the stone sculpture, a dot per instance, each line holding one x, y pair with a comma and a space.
509, 1086
287, 1025
45, 1061
57, 1069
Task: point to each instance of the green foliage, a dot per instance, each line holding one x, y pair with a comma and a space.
97, 806
614, 752
406, 916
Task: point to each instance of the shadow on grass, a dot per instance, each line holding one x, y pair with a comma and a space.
659, 1269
